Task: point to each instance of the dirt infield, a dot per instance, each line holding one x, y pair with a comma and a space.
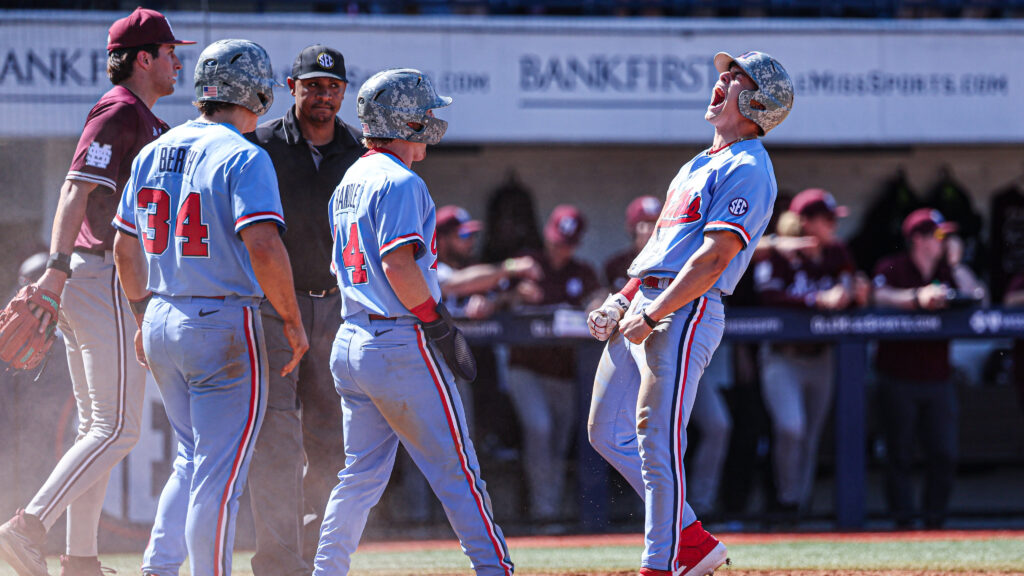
599, 540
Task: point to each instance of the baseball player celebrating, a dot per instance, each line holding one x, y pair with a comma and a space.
394, 385
95, 320
670, 316
198, 245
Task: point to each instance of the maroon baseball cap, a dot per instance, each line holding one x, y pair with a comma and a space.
451, 217
565, 225
814, 201
144, 26
926, 221
642, 209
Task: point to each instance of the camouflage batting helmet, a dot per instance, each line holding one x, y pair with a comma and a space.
393, 99
769, 105
236, 72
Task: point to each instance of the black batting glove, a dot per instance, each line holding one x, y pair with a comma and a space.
451, 342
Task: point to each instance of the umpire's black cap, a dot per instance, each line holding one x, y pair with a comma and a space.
319, 61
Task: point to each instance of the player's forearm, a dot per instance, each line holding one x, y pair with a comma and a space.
405, 277
67, 222
966, 281
698, 275
474, 280
272, 268
132, 269
888, 297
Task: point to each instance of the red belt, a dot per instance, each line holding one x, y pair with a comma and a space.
656, 282
379, 317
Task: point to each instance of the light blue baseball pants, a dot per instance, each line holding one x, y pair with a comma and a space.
643, 396
208, 358
395, 387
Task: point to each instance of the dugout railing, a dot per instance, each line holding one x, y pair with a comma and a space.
851, 332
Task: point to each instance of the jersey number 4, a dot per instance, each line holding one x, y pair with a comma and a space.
353, 257
188, 225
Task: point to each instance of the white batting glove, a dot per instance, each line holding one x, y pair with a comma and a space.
602, 322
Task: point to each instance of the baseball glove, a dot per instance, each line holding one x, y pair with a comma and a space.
24, 341
452, 344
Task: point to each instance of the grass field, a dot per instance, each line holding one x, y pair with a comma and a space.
916, 553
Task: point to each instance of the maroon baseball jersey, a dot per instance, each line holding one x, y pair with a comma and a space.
570, 286
117, 127
781, 281
912, 359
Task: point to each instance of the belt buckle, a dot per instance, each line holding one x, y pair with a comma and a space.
318, 293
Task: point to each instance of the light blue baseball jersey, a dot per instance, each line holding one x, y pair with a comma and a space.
380, 205
732, 189
190, 193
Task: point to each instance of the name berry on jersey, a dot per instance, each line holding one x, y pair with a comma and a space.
180, 159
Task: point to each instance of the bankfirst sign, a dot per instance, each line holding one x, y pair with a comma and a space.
527, 80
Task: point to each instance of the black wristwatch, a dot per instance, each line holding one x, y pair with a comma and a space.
60, 262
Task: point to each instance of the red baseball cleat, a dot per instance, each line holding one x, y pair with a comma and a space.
700, 554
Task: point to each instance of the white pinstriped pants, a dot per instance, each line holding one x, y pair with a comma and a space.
109, 387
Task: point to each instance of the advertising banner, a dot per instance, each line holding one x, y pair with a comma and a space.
581, 80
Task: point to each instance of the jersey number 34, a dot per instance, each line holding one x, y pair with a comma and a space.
188, 224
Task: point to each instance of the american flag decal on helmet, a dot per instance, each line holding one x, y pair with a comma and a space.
209, 91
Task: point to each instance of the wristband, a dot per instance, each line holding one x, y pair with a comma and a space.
631, 288
426, 312
648, 320
139, 306
61, 262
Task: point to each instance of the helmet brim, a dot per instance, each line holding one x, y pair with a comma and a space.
723, 60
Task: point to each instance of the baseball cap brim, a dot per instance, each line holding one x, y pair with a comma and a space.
470, 227
320, 74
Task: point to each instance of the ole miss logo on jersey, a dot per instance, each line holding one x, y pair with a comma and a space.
681, 208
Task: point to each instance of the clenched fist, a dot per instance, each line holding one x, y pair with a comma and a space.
602, 322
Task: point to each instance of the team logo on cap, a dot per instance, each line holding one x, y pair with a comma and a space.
738, 207
325, 60
568, 226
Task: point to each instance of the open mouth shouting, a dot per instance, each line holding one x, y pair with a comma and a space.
718, 97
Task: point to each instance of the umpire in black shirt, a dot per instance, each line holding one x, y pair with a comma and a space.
311, 149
